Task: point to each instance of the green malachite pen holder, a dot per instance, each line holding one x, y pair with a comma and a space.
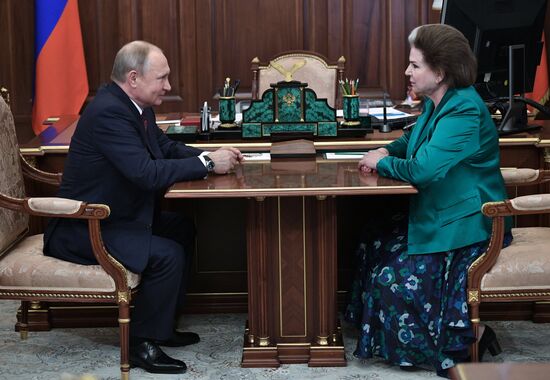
350, 105
227, 112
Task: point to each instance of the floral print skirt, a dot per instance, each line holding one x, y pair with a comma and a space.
411, 309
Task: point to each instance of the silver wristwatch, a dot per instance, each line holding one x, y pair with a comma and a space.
209, 164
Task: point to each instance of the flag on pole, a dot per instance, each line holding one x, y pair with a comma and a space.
61, 82
541, 90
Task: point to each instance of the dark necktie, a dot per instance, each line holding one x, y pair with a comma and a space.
152, 145
144, 120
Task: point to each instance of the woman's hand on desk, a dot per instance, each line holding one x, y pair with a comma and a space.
369, 161
369, 179
225, 159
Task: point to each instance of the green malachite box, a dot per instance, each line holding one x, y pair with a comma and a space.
289, 107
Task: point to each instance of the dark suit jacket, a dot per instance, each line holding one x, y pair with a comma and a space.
114, 160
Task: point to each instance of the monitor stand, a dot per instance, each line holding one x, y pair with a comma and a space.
515, 118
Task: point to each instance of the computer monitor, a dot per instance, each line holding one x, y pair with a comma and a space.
505, 36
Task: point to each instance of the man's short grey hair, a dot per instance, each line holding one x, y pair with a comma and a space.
132, 56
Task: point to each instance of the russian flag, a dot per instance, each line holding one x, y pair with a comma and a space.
61, 81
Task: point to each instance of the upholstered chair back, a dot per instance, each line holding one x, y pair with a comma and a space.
310, 68
12, 224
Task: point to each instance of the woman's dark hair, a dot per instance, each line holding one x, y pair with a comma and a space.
447, 51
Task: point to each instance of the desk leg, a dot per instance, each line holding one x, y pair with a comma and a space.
328, 347
258, 350
292, 276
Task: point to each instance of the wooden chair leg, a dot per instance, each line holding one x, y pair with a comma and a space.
474, 317
24, 322
124, 327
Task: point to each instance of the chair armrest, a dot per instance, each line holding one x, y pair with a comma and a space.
39, 175
69, 208
55, 207
524, 176
65, 208
527, 204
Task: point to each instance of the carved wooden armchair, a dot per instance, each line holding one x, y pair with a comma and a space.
521, 271
304, 66
25, 273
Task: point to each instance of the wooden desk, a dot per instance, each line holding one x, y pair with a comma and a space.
219, 274
291, 236
501, 371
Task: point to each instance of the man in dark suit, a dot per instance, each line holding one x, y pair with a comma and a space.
118, 156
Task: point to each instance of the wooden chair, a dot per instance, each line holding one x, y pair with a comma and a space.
25, 273
521, 271
304, 66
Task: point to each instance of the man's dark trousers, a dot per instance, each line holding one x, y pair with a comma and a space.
166, 274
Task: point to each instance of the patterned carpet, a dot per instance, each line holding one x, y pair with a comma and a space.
70, 353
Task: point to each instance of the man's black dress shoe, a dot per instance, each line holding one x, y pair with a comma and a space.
149, 356
489, 342
180, 339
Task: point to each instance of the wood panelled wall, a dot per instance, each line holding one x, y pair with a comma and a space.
208, 40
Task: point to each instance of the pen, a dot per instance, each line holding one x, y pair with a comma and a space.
236, 86
226, 86
349, 87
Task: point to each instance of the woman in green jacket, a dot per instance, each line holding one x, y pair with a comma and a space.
413, 278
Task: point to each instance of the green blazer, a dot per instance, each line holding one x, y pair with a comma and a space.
452, 157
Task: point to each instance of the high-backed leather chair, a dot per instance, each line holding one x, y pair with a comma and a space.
25, 273
521, 271
304, 66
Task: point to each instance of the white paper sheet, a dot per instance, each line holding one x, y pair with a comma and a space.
391, 113
344, 155
257, 156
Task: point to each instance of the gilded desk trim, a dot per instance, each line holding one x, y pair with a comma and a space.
518, 141
543, 143
297, 191
265, 146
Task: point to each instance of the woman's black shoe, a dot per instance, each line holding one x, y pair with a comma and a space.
489, 342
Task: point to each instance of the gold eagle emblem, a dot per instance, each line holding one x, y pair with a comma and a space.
288, 73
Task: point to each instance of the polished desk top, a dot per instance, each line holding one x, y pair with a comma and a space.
290, 177
56, 139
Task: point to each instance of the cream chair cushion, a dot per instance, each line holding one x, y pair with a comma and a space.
525, 264
26, 267
513, 176
11, 180
319, 76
